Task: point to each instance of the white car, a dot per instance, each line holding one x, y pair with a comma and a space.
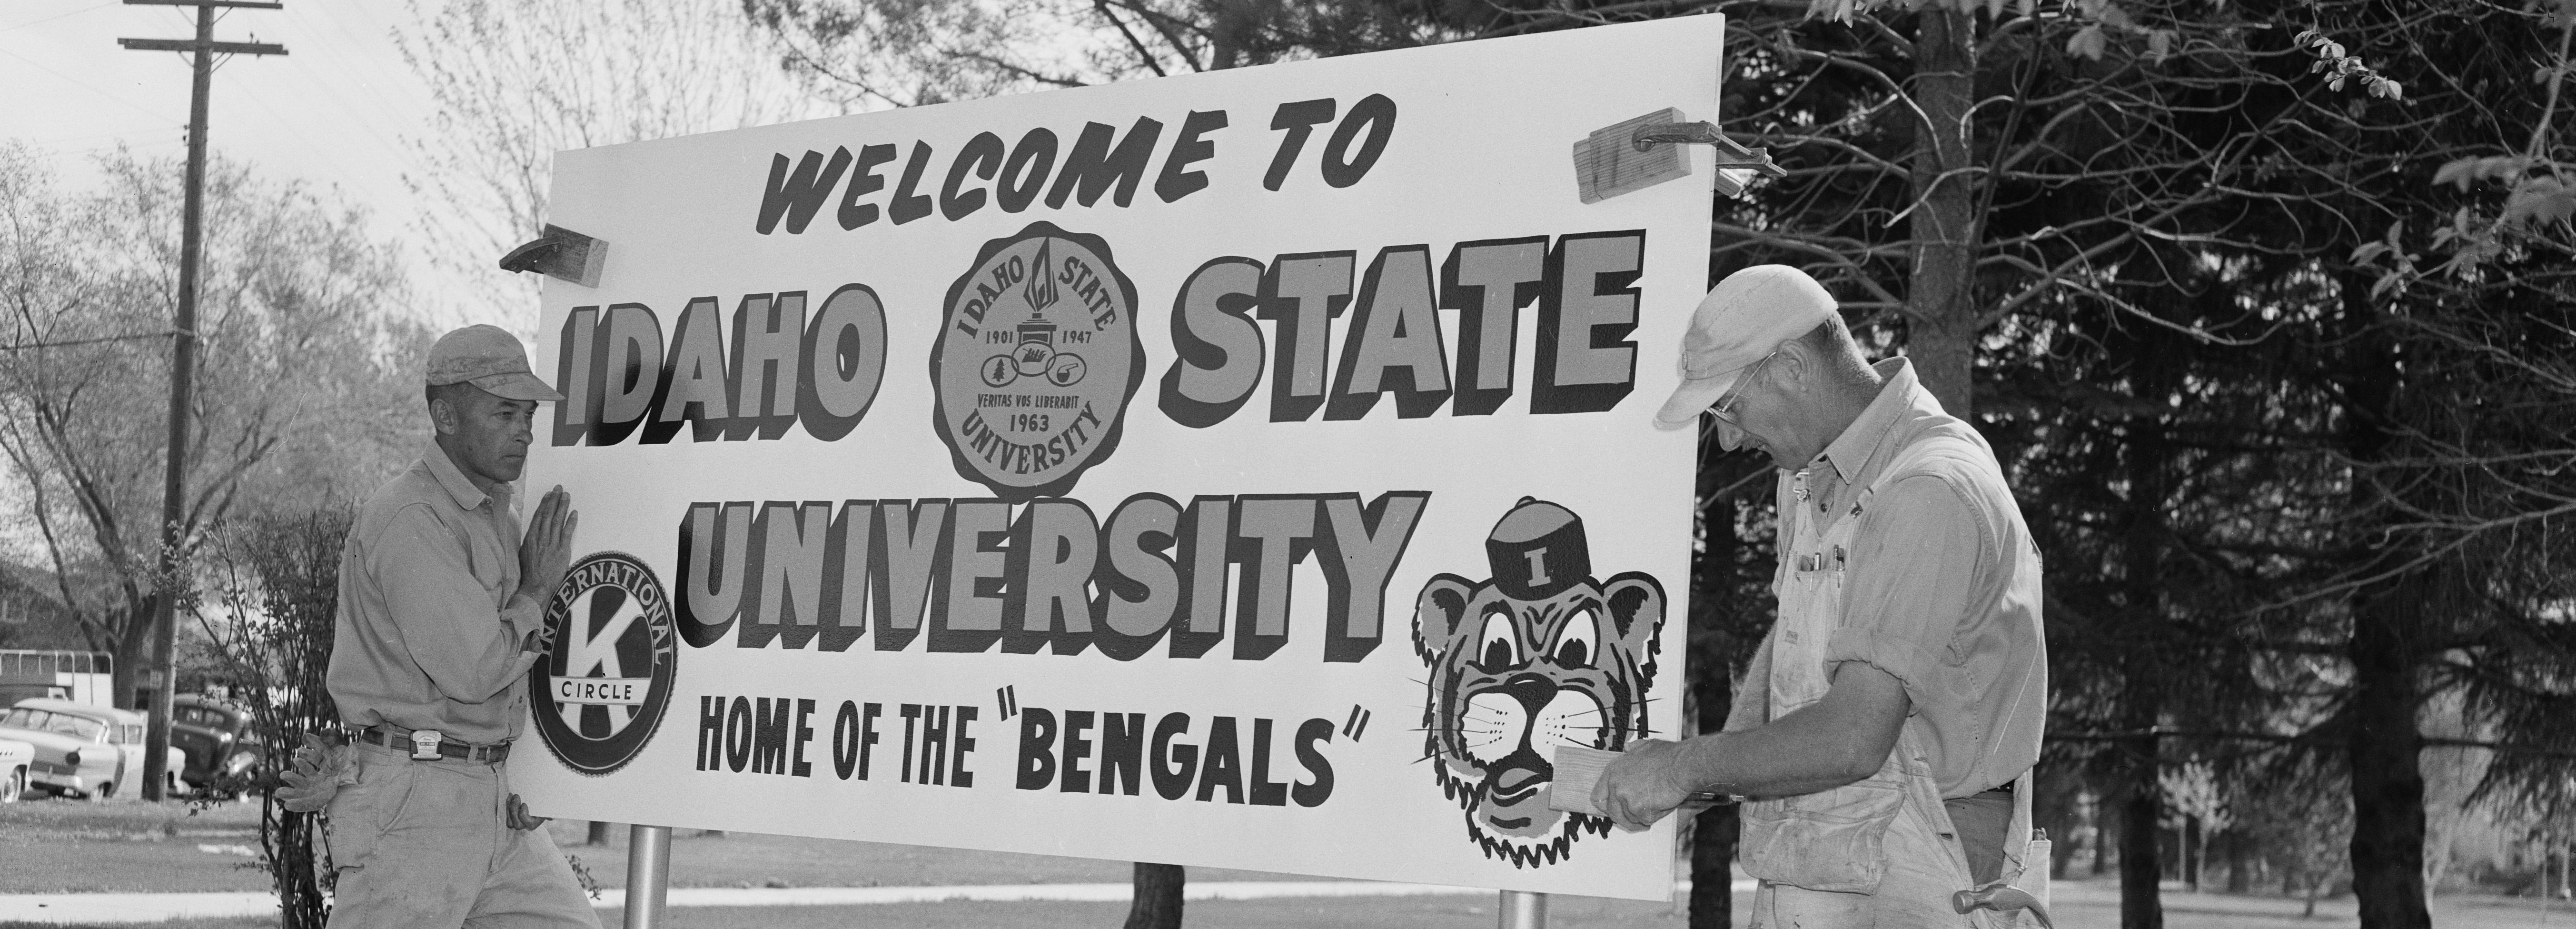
91, 751
16, 759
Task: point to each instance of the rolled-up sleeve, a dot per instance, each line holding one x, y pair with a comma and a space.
443, 615
1910, 583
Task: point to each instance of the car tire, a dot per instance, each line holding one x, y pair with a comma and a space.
14, 787
102, 792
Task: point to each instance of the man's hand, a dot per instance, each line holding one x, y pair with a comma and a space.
519, 817
315, 775
1641, 786
546, 553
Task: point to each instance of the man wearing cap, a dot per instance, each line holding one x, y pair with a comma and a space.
1883, 738
442, 608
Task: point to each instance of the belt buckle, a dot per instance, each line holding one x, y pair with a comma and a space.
424, 744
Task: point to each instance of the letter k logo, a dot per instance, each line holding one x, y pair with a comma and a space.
599, 618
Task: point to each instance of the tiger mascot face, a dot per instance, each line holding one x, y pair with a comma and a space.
1535, 658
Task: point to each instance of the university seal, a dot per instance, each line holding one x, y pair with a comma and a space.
1036, 360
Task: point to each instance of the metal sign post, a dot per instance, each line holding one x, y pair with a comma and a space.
1522, 910
648, 875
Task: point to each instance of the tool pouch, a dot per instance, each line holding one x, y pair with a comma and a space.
1831, 840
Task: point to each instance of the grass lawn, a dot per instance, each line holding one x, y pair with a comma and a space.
1347, 913
742, 859
72, 846
77, 846
58, 846
2080, 905
1361, 913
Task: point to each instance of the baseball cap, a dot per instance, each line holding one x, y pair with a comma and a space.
488, 357
1744, 318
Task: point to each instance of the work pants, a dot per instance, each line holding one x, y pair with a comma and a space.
426, 845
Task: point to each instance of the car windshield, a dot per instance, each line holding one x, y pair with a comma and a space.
75, 726
23, 718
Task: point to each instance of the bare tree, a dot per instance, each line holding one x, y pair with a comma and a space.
516, 81
904, 53
302, 326
274, 581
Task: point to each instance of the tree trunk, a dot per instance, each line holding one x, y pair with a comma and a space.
1235, 21
2060, 853
1712, 695
1712, 897
2105, 831
1941, 318
2384, 744
2387, 785
133, 658
2144, 667
2140, 906
1158, 897
2192, 852
2240, 877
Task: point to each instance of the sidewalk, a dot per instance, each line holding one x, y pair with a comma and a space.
153, 908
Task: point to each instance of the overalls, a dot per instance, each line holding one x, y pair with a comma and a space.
1880, 852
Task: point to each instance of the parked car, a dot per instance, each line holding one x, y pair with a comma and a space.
83, 750
16, 758
221, 740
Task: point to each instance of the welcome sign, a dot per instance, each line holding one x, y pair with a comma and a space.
1251, 469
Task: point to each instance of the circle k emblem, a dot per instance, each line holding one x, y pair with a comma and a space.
600, 690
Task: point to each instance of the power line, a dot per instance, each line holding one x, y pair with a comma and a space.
84, 85
39, 22
27, 346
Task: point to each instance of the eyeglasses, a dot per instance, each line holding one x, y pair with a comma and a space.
1724, 408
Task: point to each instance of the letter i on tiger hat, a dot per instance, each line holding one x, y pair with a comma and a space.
1538, 550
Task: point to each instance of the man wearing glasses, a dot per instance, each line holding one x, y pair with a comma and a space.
1883, 738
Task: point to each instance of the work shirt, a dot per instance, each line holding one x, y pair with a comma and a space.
1942, 591
430, 615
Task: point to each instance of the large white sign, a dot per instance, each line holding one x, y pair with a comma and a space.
1249, 469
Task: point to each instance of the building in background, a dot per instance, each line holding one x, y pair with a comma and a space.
80, 677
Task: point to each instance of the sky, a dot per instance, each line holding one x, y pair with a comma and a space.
332, 112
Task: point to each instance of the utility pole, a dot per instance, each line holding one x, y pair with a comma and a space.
183, 361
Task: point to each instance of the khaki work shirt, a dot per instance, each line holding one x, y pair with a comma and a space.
1942, 591
430, 616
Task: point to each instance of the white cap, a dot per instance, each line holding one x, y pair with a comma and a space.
1742, 320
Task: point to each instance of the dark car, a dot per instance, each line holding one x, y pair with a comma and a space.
222, 742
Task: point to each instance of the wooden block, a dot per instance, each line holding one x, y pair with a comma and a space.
1607, 162
1577, 769
561, 254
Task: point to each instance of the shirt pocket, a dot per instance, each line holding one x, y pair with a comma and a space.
1832, 840
490, 564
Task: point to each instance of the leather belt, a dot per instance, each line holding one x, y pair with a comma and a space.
400, 740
